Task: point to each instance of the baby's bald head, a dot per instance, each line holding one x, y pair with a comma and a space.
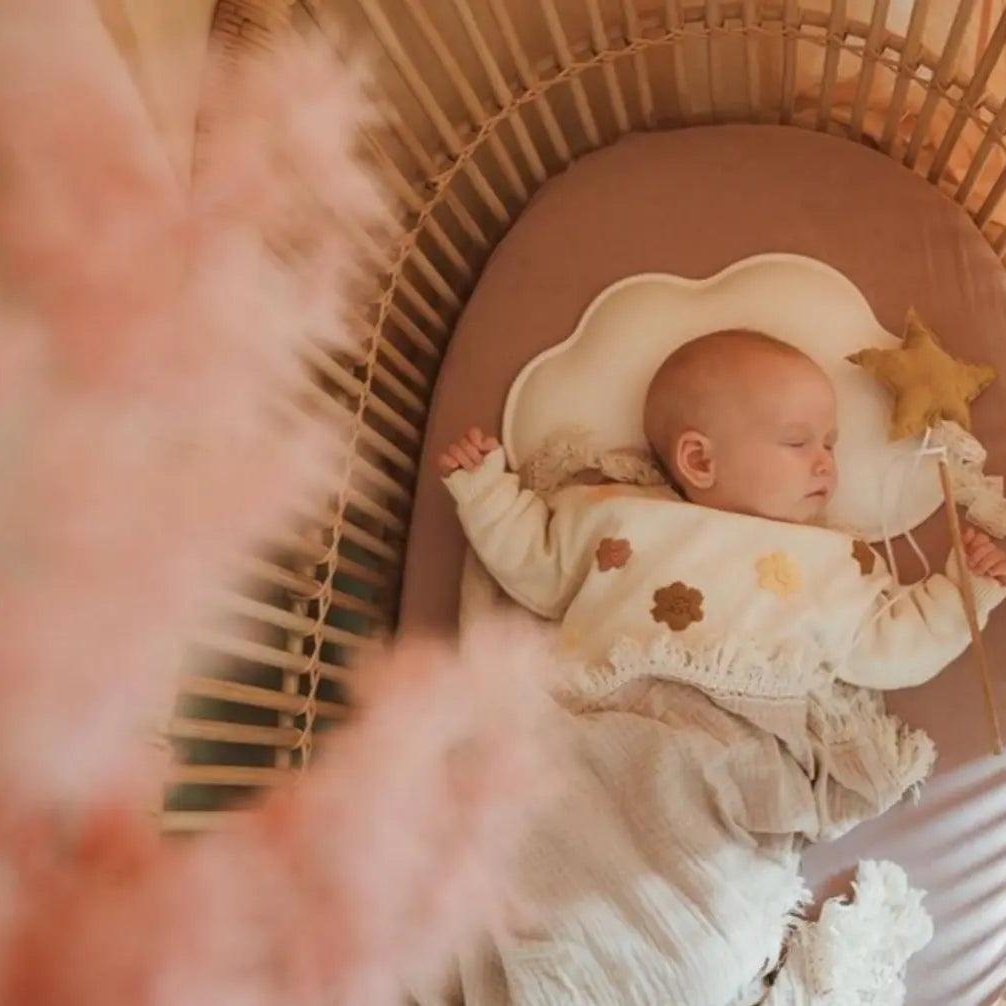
745, 423
707, 378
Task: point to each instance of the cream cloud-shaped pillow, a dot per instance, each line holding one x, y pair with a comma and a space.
596, 379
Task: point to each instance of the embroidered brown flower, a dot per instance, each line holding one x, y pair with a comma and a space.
865, 556
778, 573
677, 605
613, 553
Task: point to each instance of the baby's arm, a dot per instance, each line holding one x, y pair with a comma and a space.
538, 554
907, 641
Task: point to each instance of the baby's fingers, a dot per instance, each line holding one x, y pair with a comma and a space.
984, 557
979, 546
446, 464
474, 454
481, 441
461, 454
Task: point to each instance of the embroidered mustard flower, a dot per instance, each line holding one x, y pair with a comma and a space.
677, 606
778, 573
865, 556
613, 553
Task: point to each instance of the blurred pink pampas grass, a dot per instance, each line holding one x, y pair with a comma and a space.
349, 887
149, 342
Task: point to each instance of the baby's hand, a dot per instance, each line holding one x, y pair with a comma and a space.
984, 556
467, 452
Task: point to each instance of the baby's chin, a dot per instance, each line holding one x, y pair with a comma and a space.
809, 510
816, 510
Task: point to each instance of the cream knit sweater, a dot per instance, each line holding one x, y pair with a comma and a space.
634, 573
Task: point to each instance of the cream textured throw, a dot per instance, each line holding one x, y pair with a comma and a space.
703, 761
668, 873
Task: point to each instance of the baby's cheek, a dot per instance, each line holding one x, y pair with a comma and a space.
769, 471
784, 475
760, 474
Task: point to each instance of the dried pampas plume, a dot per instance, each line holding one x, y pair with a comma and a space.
355, 884
149, 354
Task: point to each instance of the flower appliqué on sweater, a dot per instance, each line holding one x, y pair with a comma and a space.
865, 556
677, 605
613, 553
778, 573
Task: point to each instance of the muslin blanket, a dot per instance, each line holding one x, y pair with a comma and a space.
668, 871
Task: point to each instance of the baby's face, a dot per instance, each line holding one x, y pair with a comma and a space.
774, 452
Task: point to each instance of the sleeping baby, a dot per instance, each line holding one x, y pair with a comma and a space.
717, 635
729, 567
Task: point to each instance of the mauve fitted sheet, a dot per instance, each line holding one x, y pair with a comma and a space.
691, 202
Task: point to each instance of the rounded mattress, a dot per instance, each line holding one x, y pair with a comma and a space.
691, 202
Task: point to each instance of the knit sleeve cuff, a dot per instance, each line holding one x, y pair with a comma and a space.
467, 486
988, 592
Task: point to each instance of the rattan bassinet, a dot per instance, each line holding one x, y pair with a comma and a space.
483, 101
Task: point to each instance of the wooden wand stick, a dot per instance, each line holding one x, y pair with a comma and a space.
978, 644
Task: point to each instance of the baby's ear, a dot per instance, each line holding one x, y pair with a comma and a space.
693, 456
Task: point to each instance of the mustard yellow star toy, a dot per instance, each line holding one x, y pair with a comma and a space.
930, 385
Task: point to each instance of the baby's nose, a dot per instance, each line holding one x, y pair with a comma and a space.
824, 463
